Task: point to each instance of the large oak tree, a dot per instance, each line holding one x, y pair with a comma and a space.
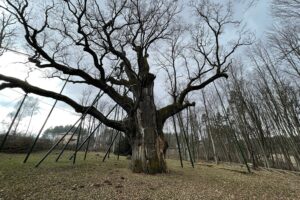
117, 44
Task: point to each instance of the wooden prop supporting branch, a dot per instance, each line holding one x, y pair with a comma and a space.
111, 141
68, 142
120, 136
77, 143
90, 127
89, 139
82, 120
56, 144
13, 121
114, 138
92, 133
186, 139
177, 140
95, 129
108, 150
45, 122
86, 149
119, 146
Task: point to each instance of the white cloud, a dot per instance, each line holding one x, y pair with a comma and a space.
13, 64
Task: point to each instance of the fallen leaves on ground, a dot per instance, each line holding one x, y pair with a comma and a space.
93, 179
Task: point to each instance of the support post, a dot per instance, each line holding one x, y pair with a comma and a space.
186, 139
177, 140
65, 146
45, 122
13, 121
77, 143
92, 133
108, 150
84, 114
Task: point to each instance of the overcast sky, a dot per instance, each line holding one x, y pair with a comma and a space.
258, 20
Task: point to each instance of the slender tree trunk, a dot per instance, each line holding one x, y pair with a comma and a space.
208, 125
201, 135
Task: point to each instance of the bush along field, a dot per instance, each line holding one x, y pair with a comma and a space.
94, 179
19, 143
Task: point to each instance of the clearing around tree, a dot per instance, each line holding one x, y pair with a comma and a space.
93, 179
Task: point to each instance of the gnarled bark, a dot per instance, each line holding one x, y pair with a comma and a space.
148, 144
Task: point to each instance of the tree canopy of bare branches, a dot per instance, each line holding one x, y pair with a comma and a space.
111, 47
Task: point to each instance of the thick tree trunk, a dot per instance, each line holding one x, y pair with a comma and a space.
148, 144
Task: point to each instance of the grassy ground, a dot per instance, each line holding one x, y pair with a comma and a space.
93, 179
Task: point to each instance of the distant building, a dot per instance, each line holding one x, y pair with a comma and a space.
67, 138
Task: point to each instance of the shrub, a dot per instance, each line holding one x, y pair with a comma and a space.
21, 144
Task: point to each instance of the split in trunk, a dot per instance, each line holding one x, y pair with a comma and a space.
147, 140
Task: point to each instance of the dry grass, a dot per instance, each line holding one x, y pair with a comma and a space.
93, 179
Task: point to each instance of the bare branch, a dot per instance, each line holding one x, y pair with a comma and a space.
11, 82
